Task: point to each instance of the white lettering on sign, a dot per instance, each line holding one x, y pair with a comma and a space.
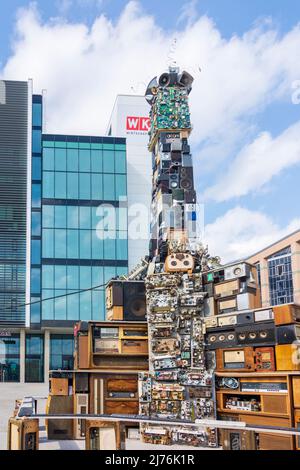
137, 124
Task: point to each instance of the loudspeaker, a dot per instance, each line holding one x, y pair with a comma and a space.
59, 386
285, 314
262, 334
223, 339
187, 161
185, 79
102, 435
190, 197
287, 334
23, 434
60, 429
179, 262
81, 382
134, 301
288, 356
114, 294
174, 181
176, 157
186, 178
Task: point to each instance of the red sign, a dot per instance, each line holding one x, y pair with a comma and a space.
138, 124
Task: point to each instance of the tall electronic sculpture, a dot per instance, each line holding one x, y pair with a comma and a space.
179, 384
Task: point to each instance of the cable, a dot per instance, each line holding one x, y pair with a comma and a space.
56, 297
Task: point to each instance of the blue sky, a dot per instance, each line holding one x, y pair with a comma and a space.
242, 109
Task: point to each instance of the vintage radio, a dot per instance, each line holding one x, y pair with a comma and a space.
210, 322
240, 318
179, 262
236, 359
261, 334
287, 334
221, 339
58, 386
59, 429
297, 426
234, 439
246, 301
227, 306
81, 407
263, 315
265, 359
114, 394
241, 270
134, 346
102, 435
115, 345
23, 434
227, 289
126, 300
285, 314
246, 359
288, 356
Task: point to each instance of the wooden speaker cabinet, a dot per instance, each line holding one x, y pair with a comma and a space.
268, 441
83, 354
115, 394
23, 434
59, 429
286, 314
231, 439
102, 435
59, 387
287, 357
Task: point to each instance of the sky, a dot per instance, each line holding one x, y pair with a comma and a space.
245, 103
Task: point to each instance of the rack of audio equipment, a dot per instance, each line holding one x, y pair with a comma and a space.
261, 399
108, 357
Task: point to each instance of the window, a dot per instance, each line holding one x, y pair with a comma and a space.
48, 159
97, 187
48, 243
72, 217
120, 158
96, 161
34, 358
108, 161
84, 160
109, 187
84, 186
72, 160
36, 196
48, 184
60, 159
10, 359
121, 186
60, 243
85, 244
36, 224
37, 114
61, 352
36, 141
281, 277
72, 244
36, 168
48, 305
35, 252
48, 277
35, 281
72, 186
60, 217
60, 185
35, 310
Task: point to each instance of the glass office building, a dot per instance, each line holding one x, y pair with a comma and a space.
83, 225
281, 277
63, 220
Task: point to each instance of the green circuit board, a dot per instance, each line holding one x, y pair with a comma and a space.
170, 110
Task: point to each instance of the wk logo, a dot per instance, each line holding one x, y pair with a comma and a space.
2, 92
138, 124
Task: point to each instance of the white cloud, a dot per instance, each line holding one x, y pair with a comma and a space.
257, 163
83, 69
240, 233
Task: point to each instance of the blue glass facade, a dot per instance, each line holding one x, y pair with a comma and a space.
83, 224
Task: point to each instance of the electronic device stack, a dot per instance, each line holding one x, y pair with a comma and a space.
257, 359
179, 385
